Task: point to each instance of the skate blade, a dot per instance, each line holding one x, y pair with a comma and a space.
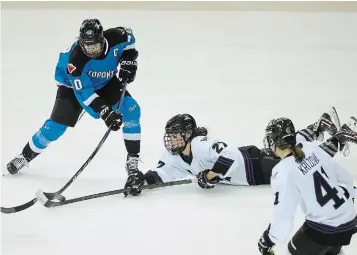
335, 118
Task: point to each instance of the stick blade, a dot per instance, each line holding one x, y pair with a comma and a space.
333, 113
19, 208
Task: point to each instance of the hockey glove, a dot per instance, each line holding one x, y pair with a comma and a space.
111, 118
204, 183
265, 245
152, 177
127, 70
135, 180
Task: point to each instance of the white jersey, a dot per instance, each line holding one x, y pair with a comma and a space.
207, 153
321, 187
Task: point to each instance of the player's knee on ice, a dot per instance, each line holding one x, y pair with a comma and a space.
49, 132
131, 112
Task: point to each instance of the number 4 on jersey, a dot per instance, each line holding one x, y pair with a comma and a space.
331, 193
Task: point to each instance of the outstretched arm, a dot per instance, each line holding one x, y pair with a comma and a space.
165, 171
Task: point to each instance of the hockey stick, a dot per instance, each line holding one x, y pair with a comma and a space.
22, 207
80, 116
48, 203
19, 207
57, 195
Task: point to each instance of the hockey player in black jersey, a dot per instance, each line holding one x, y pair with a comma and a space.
88, 79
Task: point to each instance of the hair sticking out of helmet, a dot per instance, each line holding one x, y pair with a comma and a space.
179, 131
298, 153
280, 133
200, 131
91, 38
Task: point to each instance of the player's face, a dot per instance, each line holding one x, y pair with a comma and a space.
94, 49
174, 142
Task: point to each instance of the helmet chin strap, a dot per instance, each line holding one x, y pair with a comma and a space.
187, 142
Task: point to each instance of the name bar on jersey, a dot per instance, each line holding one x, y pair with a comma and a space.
308, 164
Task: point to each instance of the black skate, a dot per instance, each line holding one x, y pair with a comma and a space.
346, 135
325, 124
349, 129
351, 125
132, 162
17, 164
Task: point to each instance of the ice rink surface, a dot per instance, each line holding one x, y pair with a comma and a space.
233, 71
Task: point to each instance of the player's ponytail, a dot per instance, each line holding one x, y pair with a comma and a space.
200, 131
298, 153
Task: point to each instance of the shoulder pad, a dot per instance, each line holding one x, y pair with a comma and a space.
77, 61
200, 142
117, 35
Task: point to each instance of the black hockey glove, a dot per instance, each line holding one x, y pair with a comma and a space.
265, 245
111, 118
152, 177
135, 180
204, 183
128, 70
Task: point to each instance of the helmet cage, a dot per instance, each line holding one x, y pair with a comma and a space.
179, 131
175, 142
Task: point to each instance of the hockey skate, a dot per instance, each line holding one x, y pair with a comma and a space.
328, 122
352, 124
347, 134
335, 119
132, 162
17, 164
349, 128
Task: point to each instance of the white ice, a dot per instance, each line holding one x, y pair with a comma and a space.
234, 71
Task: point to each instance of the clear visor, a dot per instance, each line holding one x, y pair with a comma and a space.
93, 49
174, 142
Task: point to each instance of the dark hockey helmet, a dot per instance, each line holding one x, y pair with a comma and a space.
280, 133
179, 130
91, 38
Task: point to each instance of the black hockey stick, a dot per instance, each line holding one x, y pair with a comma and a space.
57, 195
19, 207
48, 203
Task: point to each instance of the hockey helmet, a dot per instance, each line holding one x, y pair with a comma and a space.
91, 38
280, 133
179, 130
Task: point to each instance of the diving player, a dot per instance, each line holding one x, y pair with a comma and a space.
190, 152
